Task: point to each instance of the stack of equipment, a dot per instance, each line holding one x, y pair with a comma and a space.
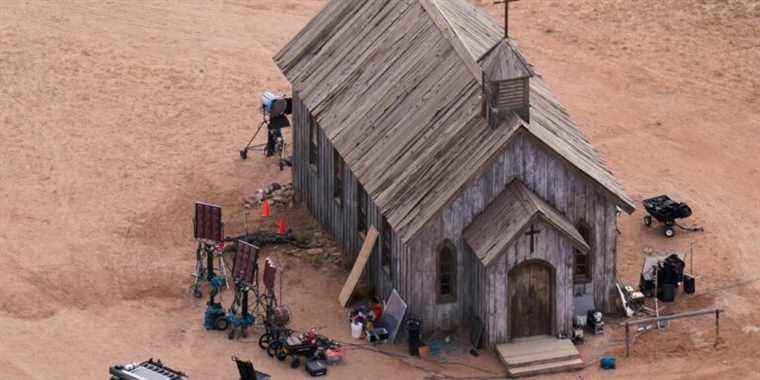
273, 109
661, 276
594, 322
669, 274
377, 335
315, 367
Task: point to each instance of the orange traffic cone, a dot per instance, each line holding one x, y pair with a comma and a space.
266, 212
281, 227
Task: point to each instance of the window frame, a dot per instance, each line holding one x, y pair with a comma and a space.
451, 297
584, 229
386, 249
314, 144
361, 210
338, 178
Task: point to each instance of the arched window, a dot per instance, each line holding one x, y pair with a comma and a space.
447, 273
582, 268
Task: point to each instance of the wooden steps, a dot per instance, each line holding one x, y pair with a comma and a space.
538, 356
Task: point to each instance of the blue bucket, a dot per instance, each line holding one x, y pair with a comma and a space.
608, 362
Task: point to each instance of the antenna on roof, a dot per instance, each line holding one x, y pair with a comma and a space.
506, 15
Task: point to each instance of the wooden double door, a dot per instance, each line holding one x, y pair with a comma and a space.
531, 299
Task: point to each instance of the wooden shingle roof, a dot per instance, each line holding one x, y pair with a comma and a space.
395, 87
503, 221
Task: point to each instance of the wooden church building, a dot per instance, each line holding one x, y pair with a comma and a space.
419, 118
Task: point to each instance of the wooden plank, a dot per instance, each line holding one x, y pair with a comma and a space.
547, 368
522, 350
356, 272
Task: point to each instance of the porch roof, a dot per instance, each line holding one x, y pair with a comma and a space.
507, 216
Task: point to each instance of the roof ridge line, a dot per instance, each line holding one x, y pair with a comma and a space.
448, 32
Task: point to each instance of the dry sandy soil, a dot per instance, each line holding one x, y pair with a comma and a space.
116, 115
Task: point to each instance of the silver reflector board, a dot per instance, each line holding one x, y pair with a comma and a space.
245, 266
208, 221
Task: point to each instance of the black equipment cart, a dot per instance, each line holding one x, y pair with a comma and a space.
666, 211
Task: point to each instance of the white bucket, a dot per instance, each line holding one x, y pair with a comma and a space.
356, 330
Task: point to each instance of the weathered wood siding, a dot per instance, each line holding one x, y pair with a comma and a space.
491, 285
315, 188
413, 265
548, 176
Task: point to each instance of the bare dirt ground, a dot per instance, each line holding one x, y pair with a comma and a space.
115, 116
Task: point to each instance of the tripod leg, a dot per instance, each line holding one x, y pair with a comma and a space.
254, 135
223, 269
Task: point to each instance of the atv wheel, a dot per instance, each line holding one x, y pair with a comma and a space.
221, 323
280, 354
273, 348
264, 341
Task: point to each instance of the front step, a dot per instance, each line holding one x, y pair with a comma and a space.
539, 355
546, 368
541, 358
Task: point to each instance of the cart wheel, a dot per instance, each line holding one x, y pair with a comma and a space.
221, 323
264, 341
244, 154
280, 354
648, 220
670, 232
295, 363
272, 349
197, 293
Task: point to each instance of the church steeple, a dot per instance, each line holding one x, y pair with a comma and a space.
506, 84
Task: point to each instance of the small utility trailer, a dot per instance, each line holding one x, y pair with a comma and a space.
667, 211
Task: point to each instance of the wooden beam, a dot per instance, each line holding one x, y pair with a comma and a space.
359, 264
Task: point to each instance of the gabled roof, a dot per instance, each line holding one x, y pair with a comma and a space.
504, 220
395, 87
503, 63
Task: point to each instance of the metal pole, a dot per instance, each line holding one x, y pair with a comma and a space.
245, 222
717, 327
691, 258
674, 316
656, 294
627, 339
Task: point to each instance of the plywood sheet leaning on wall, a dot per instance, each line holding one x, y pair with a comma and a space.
356, 272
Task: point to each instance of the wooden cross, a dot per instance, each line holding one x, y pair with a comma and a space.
506, 15
532, 233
